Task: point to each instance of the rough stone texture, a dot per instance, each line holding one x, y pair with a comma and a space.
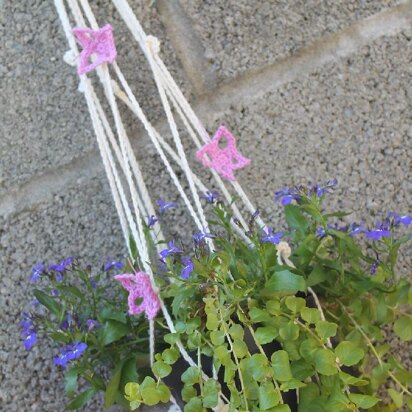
241, 35
346, 120
44, 120
349, 119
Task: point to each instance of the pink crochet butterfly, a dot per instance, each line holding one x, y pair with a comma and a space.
223, 160
95, 42
139, 287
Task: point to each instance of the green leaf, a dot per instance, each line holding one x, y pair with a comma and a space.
212, 321
163, 392
268, 397
326, 329
112, 387
110, 314
318, 275
403, 327
171, 338
284, 282
217, 337
191, 375
363, 401
210, 393
308, 349
70, 379
236, 332
161, 369
148, 391
170, 356
352, 380
188, 392
396, 397
222, 354
292, 384
48, 302
273, 307
266, 334
259, 315
129, 372
310, 315
348, 353
325, 362
257, 365
281, 408
194, 405
289, 332
112, 330
132, 391
81, 399
295, 218
281, 366
295, 304
240, 348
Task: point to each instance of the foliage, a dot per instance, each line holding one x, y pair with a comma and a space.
269, 323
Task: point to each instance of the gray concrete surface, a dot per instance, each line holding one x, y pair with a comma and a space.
328, 96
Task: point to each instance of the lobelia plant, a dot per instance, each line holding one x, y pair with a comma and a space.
279, 326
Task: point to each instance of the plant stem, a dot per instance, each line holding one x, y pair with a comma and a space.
322, 315
370, 344
235, 357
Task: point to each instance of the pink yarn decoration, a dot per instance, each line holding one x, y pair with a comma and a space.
140, 287
225, 160
99, 42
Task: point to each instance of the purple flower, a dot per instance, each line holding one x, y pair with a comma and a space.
37, 271
321, 189
67, 322
93, 283
170, 251
406, 220
28, 331
320, 232
30, 340
56, 292
211, 196
382, 230
112, 264
62, 266
271, 237
188, 267
152, 220
69, 353
355, 229
199, 237
374, 267
286, 195
91, 324
163, 206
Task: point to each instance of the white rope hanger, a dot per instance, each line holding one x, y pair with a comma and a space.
131, 212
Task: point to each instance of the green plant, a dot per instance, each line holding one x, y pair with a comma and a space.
256, 319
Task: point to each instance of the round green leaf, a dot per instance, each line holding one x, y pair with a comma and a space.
191, 375
363, 401
210, 393
217, 337
325, 362
326, 329
348, 353
403, 327
266, 334
310, 315
170, 356
161, 369
295, 304
268, 397
281, 366
289, 332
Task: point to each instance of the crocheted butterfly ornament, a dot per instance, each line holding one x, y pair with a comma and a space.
224, 160
98, 46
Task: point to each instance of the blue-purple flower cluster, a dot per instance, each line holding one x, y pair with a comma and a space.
28, 331
286, 195
69, 353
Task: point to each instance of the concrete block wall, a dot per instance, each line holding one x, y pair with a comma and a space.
312, 90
